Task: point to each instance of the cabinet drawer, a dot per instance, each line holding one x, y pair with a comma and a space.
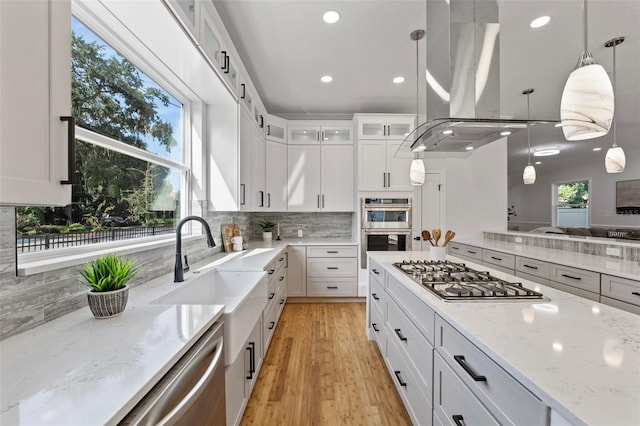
506, 399
280, 260
535, 279
420, 314
453, 400
376, 271
463, 250
332, 287
377, 296
409, 339
280, 300
268, 325
501, 259
634, 309
622, 289
575, 290
533, 267
585, 280
418, 404
332, 251
378, 329
498, 268
319, 267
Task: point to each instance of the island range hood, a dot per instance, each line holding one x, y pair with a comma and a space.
463, 79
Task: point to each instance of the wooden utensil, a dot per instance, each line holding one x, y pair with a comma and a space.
437, 233
448, 237
427, 236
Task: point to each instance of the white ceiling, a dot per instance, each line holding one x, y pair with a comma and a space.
286, 47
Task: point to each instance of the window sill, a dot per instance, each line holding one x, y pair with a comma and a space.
36, 263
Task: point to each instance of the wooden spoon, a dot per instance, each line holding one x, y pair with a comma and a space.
437, 233
448, 237
427, 236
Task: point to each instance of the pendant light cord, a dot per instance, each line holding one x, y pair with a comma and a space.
529, 127
614, 97
585, 22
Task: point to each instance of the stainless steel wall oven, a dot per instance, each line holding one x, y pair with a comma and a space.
385, 224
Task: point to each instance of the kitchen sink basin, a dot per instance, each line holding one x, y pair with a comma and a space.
243, 294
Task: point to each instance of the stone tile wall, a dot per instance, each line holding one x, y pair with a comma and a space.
574, 244
26, 302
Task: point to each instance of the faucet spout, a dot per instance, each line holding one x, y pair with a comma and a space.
178, 270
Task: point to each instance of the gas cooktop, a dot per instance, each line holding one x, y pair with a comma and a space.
457, 282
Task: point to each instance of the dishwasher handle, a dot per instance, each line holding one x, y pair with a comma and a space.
176, 385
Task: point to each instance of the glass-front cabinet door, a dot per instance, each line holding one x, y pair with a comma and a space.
399, 128
304, 134
338, 134
245, 96
276, 129
372, 128
210, 40
187, 12
385, 127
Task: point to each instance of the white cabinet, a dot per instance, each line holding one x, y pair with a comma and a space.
246, 95
213, 43
276, 174
35, 83
252, 165
297, 271
393, 127
326, 133
188, 12
379, 169
276, 129
241, 376
332, 271
320, 178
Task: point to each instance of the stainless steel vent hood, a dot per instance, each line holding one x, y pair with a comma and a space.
463, 79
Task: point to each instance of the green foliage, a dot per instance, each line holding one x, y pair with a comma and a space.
108, 273
75, 227
573, 194
29, 218
267, 226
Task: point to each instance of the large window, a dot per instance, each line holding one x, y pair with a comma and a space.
130, 169
572, 204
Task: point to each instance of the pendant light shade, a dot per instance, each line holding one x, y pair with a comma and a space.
529, 174
615, 160
587, 106
417, 171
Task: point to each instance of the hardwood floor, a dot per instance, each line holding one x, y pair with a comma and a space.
320, 369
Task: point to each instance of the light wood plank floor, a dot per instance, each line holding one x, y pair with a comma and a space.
320, 369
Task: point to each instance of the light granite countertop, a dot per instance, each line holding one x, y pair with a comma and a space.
605, 265
579, 357
79, 371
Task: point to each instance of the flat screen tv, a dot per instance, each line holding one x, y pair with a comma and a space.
628, 197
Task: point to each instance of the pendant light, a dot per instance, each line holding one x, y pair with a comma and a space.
417, 171
586, 108
615, 160
529, 174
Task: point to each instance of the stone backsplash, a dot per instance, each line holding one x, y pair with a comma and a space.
26, 302
572, 244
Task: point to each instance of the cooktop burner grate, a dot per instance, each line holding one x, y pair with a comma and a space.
457, 282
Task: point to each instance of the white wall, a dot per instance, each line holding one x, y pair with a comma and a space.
533, 202
476, 191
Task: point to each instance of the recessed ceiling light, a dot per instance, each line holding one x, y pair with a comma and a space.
545, 152
326, 79
468, 148
540, 22
447, 132
597, 148
506, 133
398, 80
331, 17
538, 162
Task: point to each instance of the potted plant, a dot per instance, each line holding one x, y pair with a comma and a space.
267, 228
107, 279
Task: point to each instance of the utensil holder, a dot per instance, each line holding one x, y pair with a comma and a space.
437, 253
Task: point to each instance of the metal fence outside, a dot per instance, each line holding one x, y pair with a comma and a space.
33, 243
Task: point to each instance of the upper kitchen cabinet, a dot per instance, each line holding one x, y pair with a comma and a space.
391, 127
188, 12
327, 133
379, 169
276, 175
276, 129
246, 95
253, 195
216, 48
36, 129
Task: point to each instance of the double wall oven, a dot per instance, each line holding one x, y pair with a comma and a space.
386, 225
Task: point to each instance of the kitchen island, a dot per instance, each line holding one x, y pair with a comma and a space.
578, 357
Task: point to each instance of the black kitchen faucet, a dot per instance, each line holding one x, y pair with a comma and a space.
178, 270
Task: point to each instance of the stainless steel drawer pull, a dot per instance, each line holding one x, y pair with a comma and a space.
496, 258
400, 335
529, 266
332, 267
375, 296
332, 251
569, 276
402, 382
475, 376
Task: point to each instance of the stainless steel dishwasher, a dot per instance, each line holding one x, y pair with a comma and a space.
192, 392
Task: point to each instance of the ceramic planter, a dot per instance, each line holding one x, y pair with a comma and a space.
267, 236
108, 304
